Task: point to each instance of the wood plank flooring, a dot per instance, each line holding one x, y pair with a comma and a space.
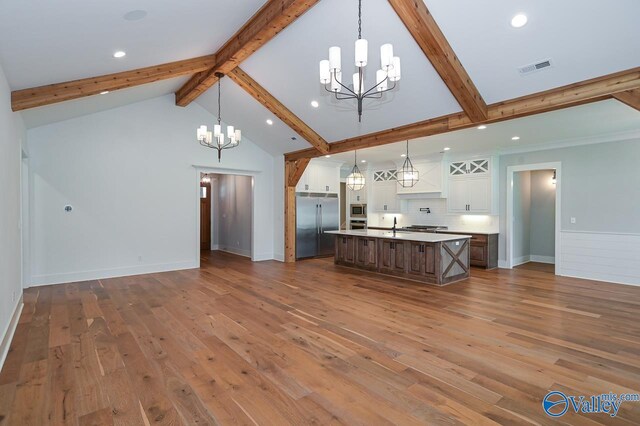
268, 343
537, 266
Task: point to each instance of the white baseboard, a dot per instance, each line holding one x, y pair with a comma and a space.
259, 257
543, 259
503, 264
520, 260
70, 277
279, 257
234, 250
7, 337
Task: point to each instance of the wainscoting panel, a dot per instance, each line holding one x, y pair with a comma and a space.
601, 256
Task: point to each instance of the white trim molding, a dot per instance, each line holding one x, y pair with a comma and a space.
611, 257
7, 337
510, 262
71, 277
542, 259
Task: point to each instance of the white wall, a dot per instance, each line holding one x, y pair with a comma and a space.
521, 217
129, 174
11, 136
232, 213
543, 216
600, 189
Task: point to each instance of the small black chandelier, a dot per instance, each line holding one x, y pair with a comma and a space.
216, 139
331, 71
355, 181
407, 176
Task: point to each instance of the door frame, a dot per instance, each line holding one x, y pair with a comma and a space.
511, 170
223, 171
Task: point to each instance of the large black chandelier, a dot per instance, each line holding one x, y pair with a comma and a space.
216, 139
331, 71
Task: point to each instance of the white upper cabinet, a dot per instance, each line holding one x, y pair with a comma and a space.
471, 187
384, 192
323, 178
357, 197
429, 178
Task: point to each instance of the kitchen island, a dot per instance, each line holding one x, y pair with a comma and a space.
431, 258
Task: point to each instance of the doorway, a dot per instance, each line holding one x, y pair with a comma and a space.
533, 217
226, 213
205, 212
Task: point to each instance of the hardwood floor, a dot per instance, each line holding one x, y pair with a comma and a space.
312, 343
537, 266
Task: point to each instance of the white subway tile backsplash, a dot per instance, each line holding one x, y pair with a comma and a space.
439, 216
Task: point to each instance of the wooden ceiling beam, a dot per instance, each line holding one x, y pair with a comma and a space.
296, 170
588, 91
629, 97
260, 94
272, 18
424, 29
59, 92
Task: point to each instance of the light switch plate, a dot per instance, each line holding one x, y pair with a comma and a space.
573, 220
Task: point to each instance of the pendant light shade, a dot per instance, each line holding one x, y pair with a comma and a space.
407, 176
355, 181
361, 52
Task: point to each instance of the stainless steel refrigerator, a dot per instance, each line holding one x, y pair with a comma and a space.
315, 215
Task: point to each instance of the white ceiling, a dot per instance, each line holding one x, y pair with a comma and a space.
36, 117
49, 41
583, 38
239, 109
536, 131
287, 67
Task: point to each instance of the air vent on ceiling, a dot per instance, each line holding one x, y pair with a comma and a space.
531, 68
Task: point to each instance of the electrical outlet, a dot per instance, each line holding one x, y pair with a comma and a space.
573, 220
139, 258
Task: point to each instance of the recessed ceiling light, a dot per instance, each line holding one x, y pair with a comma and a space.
519, 21
135, 15
270, 122
403, 155
482, 127
104, 92
315, 104
120, 54
515, 138
327, 156
363, 161
447, 148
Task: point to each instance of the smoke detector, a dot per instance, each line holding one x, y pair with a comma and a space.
532, 68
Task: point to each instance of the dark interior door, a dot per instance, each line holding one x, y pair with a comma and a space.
205, 216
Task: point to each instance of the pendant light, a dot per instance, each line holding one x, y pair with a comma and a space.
216, 139
407, 176
355, 180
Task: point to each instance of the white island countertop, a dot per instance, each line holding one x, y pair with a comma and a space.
425, 237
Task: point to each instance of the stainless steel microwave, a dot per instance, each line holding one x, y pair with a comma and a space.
359, 210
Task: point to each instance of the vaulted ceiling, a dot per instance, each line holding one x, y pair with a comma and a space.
50, 41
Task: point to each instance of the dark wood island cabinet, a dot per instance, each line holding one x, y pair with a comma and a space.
431, 258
